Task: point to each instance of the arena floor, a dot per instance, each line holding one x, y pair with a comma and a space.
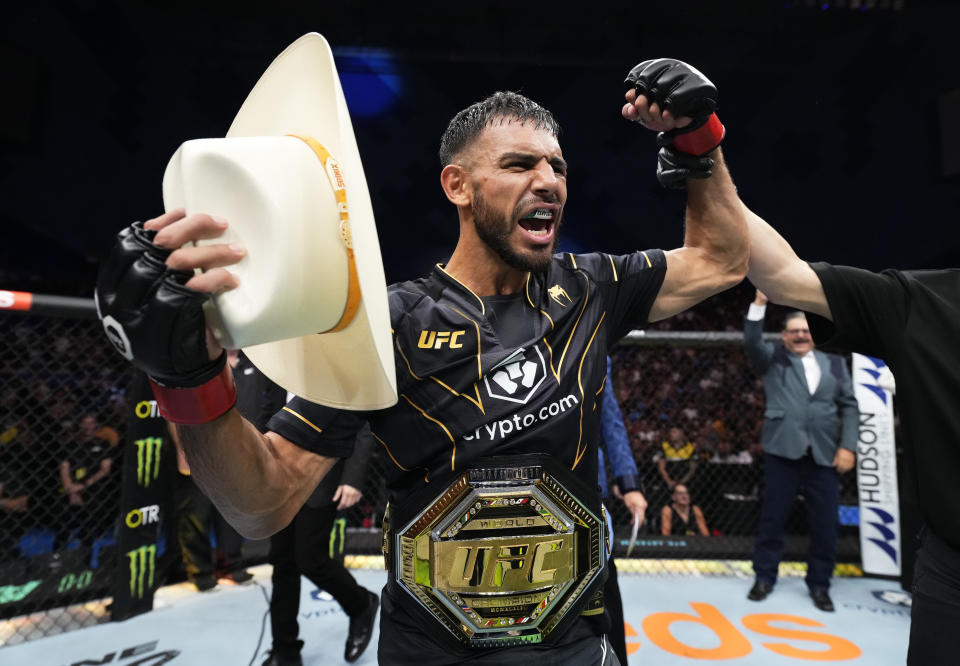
672, 618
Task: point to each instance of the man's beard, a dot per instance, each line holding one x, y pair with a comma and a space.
494, 230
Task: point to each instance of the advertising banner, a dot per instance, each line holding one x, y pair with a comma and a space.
149, 466
877, 468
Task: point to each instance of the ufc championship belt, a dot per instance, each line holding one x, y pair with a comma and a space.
504, 554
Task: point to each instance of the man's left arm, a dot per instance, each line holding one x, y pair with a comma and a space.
678, 101
849, 410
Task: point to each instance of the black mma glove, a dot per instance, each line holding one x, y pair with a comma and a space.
674, 167
681, 89
154, 320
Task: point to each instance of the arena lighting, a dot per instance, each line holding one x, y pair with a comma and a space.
369, 79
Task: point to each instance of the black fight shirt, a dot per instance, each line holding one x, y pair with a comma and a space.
465, 393
911, 320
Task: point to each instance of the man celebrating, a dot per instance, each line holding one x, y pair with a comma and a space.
809, 434
527, 333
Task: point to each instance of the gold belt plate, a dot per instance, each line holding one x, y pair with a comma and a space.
501, 556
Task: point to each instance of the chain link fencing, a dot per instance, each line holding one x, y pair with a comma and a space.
62, 421
63, 415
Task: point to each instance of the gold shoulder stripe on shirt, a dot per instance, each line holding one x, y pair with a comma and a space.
389, 453
530, 301
604, 381
572, 260
596, 395
483, 310
580, 384
649, 265
453, 456
476, 327
586, 298
614, 267
299, 416
426, 472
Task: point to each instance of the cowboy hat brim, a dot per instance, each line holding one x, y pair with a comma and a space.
352, 367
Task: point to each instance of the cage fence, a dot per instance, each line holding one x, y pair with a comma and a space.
62, 418
691, 405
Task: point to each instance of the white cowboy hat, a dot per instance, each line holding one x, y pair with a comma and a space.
311, 310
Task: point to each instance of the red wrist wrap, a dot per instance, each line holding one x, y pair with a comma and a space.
701, 140
200, 404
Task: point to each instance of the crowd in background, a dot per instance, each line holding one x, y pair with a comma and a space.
693, 415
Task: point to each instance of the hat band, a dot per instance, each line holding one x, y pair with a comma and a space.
334, 174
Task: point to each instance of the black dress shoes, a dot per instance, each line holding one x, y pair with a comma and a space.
275, 659
821, 599
759, 591
361, 630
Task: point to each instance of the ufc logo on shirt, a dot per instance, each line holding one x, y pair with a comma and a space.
437, 339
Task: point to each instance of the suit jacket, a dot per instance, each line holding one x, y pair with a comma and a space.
794, 420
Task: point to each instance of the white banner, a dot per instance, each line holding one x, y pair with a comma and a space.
877, 468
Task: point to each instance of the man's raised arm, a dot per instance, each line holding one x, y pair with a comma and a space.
777, 271
675, 99
150, 302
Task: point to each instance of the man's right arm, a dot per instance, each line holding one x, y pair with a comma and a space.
258, 481
754, 347
151, 288
777, 271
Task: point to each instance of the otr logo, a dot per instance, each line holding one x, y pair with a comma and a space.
436, 339
148, 459
142, 561
145, 515
146, 409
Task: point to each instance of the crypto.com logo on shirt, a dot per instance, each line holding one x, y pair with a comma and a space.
516, 380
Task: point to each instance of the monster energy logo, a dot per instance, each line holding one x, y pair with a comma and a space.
142, 559
148, 460
339, 526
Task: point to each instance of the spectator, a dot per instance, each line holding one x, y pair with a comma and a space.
681, 516
725, 454
83, 465
676, 462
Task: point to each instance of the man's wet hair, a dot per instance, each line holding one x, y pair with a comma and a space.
467, 125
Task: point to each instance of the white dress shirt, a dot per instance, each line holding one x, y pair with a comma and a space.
810, 366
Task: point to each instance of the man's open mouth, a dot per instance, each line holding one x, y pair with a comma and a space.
538, 223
